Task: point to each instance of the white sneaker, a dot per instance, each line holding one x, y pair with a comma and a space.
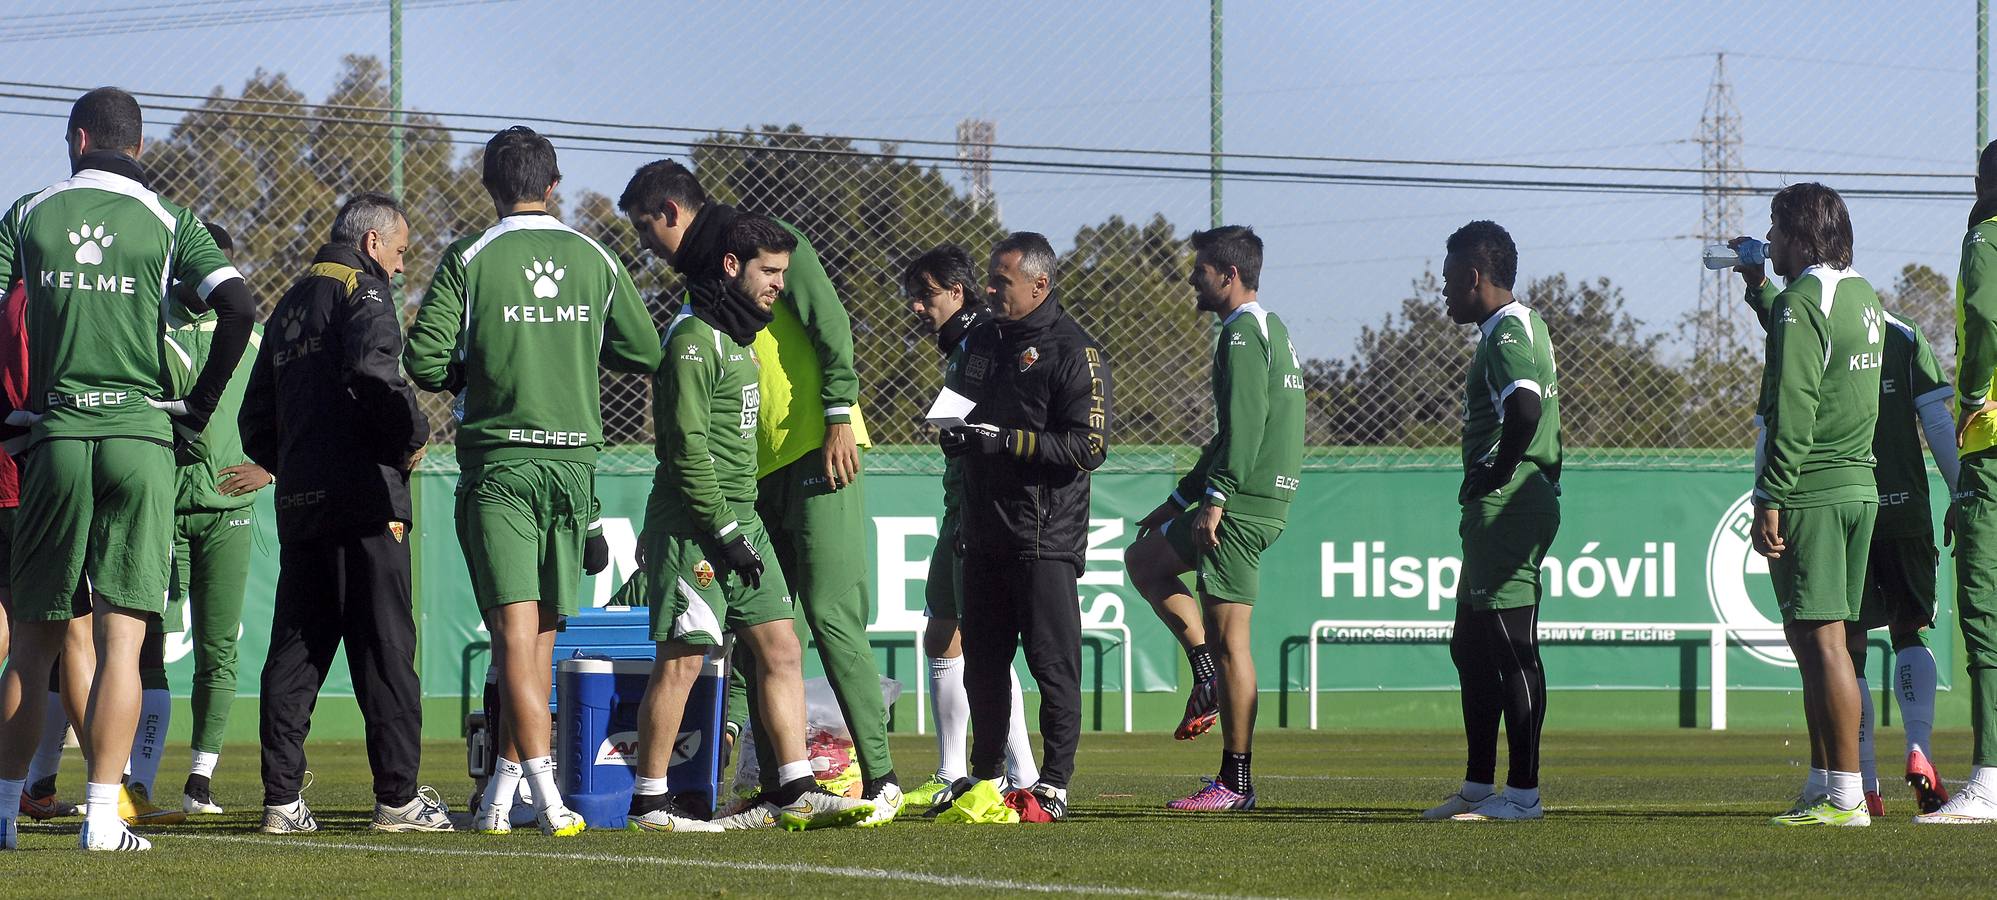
291, 818
197, 807
1969, 806
763, 814
560, 821
671, 818
119, 838
490, 820
815, 809
1456, 804
10, 838
887, 801
1500, 808
423, 812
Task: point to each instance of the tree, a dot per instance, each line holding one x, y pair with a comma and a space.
1615, 388
1126, 284
1926, 298
1403, 385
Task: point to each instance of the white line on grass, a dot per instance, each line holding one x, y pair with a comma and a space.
959, 881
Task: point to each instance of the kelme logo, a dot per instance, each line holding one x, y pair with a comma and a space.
90, 242
1737, 583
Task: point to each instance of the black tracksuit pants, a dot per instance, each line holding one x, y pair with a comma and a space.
1008, 602
354, 589
1497, 662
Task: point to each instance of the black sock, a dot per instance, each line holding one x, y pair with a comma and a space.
645, 803
787, 793
197, 786
1202, 660
1234, 772
872, 786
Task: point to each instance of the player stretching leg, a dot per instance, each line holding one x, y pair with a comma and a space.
1229, 509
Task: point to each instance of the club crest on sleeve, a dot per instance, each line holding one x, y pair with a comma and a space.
703, 574
397, 530
1028, 357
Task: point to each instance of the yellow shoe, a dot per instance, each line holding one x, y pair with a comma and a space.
981, 805
136, 808
843, 783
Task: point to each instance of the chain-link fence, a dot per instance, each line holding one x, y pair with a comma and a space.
1357, 136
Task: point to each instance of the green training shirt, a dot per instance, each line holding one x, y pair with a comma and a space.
1250, 465
220, 445
98, 252
706, 404
1514, 354
1819, 402
518, 318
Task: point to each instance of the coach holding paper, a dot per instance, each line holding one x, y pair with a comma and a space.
1040, 427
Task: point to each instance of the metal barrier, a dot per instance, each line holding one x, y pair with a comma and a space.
1716, 636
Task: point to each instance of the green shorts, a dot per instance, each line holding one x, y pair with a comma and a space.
946, 578
1504, 541
97, 513
1899, 583
1821, 577
693, 601
521, 526
1233, 571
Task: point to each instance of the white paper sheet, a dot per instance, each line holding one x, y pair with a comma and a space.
950, 409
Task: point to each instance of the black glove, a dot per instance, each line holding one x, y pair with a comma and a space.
742, 559
595, 554
1485, 477
985, 439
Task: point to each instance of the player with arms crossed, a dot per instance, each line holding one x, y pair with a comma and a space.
516, 319
1511, 511
1900, 594
99, 251
704, 546
1229, 509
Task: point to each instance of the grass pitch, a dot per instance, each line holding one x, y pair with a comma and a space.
1659, 812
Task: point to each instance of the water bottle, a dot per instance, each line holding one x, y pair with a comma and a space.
1751, 253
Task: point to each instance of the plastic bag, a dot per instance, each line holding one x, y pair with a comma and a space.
828, 742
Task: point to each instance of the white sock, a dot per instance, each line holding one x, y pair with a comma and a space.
1914, 684
48, 753
10, 797
540, 772
103, 805
1018, 747
952, 707
792, 771
504, 783
1984, 780
648, 787
1868, 751
1818, 784
204, 763
1522, 797
1471, 790
1846, 793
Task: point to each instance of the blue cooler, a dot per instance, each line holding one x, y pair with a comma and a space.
597, 736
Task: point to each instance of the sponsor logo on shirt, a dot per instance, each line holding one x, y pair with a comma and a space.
238, 523
1873, 319
752, 404
90, 242
691, 353
294, 349
1293, 382
101, 283
89, 399
1237, 339
977, 367
545, 315
301, 499
546, 277
1286, 483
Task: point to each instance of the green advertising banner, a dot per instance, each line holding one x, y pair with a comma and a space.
1636, 549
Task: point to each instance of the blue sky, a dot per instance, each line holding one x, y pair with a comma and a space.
1823, 87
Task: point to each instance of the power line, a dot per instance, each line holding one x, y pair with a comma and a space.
216, 18
951, 144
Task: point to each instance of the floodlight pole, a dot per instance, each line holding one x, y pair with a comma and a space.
395, 99
1213, 116
1982, 74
